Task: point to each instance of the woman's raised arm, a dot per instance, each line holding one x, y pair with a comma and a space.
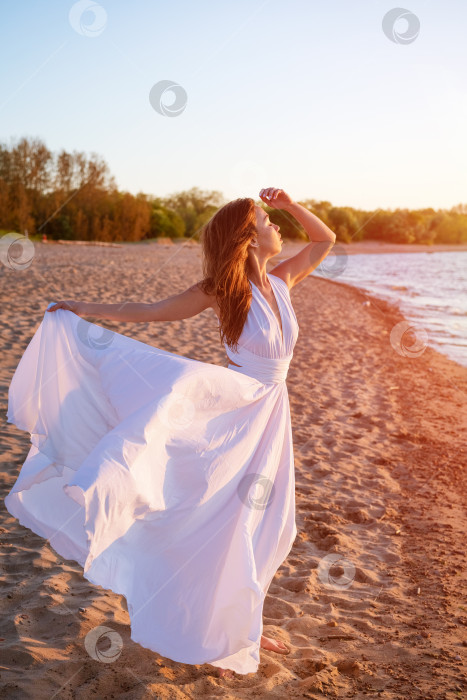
174, 308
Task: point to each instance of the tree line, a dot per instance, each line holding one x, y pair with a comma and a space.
73, 196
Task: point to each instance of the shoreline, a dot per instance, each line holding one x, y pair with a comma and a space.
403, 423
372, 295
391, 307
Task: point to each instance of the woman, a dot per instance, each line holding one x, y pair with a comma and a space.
144, 463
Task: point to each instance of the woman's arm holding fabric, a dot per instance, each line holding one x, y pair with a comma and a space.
179, 306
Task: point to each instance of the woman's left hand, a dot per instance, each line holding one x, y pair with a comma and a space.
275, 198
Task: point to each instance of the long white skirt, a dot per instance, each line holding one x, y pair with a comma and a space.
170, 481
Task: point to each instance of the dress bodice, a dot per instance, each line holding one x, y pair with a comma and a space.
263, 351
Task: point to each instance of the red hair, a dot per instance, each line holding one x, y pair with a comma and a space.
225, 239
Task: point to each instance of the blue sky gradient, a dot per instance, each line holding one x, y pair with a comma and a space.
309, 96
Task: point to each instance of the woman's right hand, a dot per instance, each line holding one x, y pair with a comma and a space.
69, 305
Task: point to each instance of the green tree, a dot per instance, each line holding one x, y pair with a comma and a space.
165, 222
195, 207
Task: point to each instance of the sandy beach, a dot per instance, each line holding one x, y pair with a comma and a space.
372, 599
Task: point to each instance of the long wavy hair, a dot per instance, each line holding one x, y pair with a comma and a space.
225, 239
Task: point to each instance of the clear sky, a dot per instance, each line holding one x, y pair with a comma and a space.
306, 95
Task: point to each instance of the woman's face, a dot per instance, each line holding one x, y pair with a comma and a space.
268, 236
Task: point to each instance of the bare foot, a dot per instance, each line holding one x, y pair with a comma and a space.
274, 645
226, 673
266, 643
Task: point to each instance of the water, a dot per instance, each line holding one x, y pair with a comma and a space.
429, 288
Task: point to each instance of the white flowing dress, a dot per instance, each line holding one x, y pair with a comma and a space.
170, 481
